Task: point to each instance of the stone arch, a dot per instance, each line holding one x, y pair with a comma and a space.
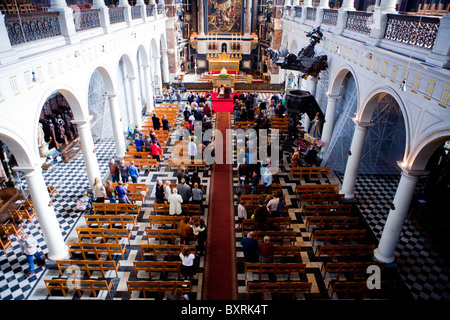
419, 156
337, 78
18, 147
368, 105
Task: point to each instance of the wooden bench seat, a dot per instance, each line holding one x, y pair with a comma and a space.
105, 233
274, 188
116, 208
141, 163
243, 124
162, 220
316, 188
325, 210
338, 235
162, 234
308, 172
344, 250
275, 236
159, 287
287, 251
190, 209
331, 222
167, 250
278, 288
96, 248
89, 266
66, 284
279, 222
359, 288
163, 267
188, 163
311, 198
353, 268
110, 220
275, 268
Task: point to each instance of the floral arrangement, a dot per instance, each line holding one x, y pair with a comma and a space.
223, 75
320, 143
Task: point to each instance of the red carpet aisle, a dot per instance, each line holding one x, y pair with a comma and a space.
220, 275
222, 105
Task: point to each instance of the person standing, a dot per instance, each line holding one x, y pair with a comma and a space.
134, 172
192, 149
185, 190
242, 215
197, 194
156, 152
98, 190
110, 192
29, 247
121, 190
266, 180
123, 169
260, 215
187, 263
167, 190
250, 247
175, 201
165, 123
184, 230
138, 142
114, 170
159, 191
155, 122
295, 157
266, 250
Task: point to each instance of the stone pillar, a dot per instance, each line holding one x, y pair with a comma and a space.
312, 88
254, 29
388, 6
324, 4
6, 52
201, 18
116, 121
354, 159
165, 66
396, 218
158, 82
66, 20
194, 19
248, 18
103, 14
148, 88
87, 145
136, 104
126, 11
348, 5
329, 121
57, 249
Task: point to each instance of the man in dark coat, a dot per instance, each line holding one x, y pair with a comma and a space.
156, 123
260, 215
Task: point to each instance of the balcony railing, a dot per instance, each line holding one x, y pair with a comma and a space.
86, 19
311, 13
150, 9
413, 30
160, 8
360, 22
298, 11
135, 12
32, 26
116, 15
330, 17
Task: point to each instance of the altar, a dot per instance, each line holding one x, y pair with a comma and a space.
217, 62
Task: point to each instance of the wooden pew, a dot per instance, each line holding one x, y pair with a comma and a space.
278, 288
275, 236
116, 208
310, 171
167, 250
66, 284
104, 233
275, 268
140, 163
249, 224
353, 268
316, 188
325, 210
162, 234
188, 163
89, 266
285, 251
344, 250
190, 209
163, 267
311, 198
331, 222
251, 198
274, 188
163, 220
359, 288
96, 248
338, 235
110, 220
157, 286
243, 124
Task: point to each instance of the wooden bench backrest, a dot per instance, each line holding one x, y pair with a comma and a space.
157, 266
326, 210
96, 248
350, 235
339, 221
345, 250
248, 224
349, 267
65, 285
168, 250
89, 266
278, 287
275, 236
105, 233
111, 220
321, 198
316, 188
108, 208
157, 286
162, 234
276, 268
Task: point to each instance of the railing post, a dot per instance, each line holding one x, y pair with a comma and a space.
126, 11
379, 20
5, 44
341, 21
440, 54
103, 14
65, 20
142, 6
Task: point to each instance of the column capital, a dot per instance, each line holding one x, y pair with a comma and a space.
333, 96
409, 173
363, 124
82, 122
31, 170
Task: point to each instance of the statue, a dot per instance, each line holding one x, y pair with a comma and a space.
304, 61
42, 144
315, 127
61, 130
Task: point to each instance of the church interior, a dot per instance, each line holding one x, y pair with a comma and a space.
298, 149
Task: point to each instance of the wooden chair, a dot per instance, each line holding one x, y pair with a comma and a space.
22, 214
5, 243
52, 191
10, 229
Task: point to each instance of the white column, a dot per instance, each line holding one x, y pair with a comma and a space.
248, 18
87, 145
57, 249
148, 87
324, 4
66, 20
307, 3
396, 218
136, 104
201, 18
347, 5
116, 120
104, 14
354, 159
388, 6
312, 88
165, 66
329, 121
157, 69
6, 52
